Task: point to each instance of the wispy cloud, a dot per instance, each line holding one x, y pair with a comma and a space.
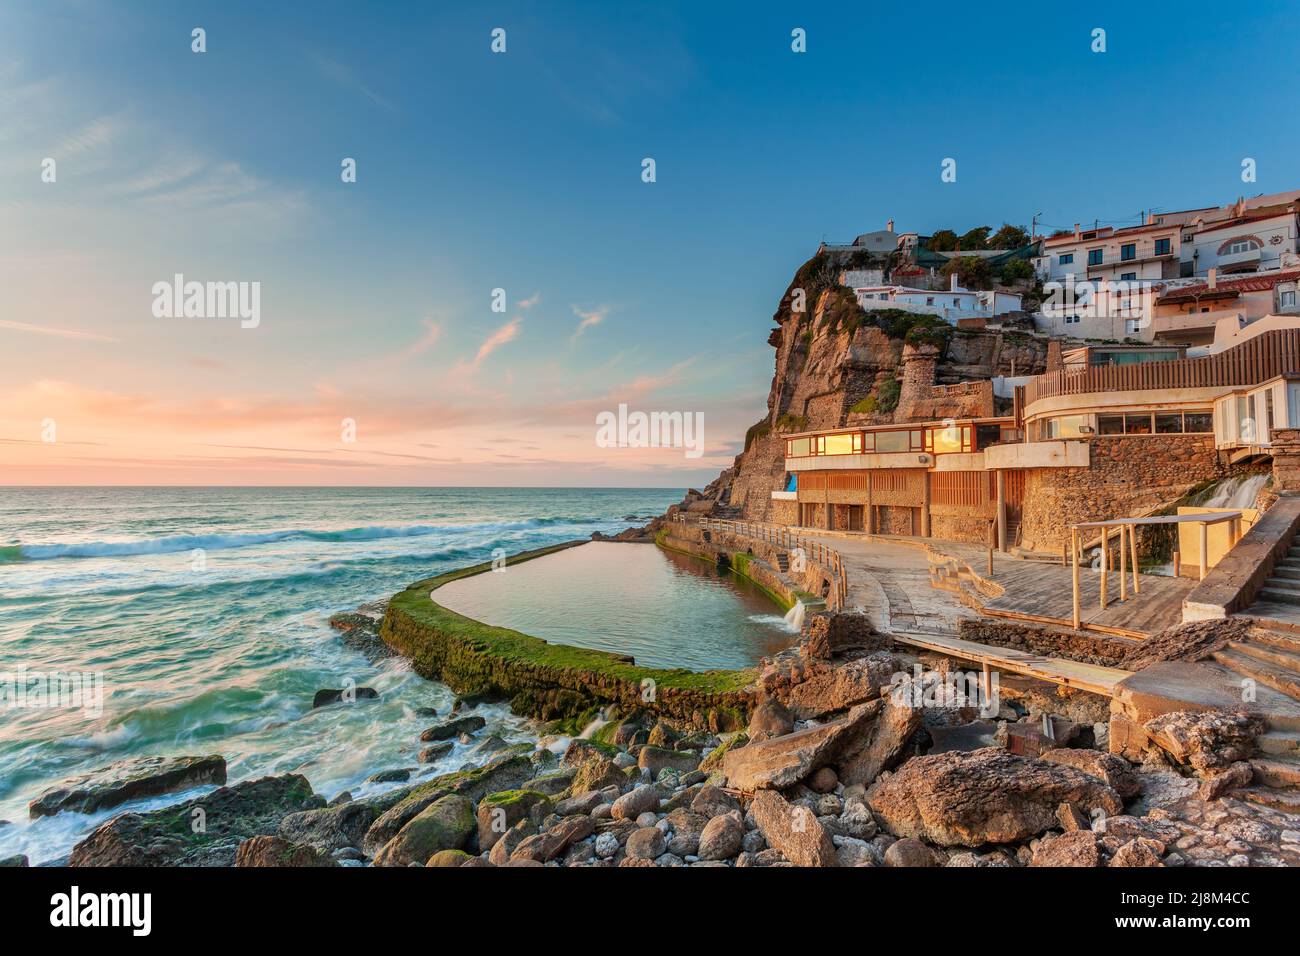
589, 318
432, 332
507, 333
58, 333
531, 301
346, 77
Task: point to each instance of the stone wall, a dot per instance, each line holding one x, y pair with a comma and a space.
1127, 476
1052, 642
950, 527
1286, 459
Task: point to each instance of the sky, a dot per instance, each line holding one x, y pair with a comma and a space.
378, 358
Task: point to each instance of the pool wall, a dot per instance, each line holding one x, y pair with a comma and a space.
552, 681
756, 567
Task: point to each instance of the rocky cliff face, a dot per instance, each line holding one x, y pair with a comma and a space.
838, 365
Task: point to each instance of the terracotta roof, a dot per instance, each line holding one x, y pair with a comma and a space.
1240, 220
1259, 282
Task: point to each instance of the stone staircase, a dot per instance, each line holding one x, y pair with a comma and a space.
1283, 586
783, 561
1270, 657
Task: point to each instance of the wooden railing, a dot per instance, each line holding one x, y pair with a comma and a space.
781, 537
1268, 354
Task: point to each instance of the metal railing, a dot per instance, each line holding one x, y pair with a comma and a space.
781, 537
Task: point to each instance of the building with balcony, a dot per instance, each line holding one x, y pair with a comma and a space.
1190, 314
1145, 253
1244, 244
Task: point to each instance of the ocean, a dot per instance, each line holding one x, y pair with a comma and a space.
204, 612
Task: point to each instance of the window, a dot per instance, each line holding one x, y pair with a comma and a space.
1072, 320
1162, 247
1128, 277
1110, 424
840, 444
954, 438
1128, 251
1169, 423
986, 435
1198, 422
1067, 426
1094, 256
1240, 245
799, 448
1287, 299
1137, 424
1065, 259
898, 441
929, 300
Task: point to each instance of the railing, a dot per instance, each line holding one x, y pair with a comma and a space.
781, 537
1250, 363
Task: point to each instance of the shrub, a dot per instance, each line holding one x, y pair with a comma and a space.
791, 423
756, 431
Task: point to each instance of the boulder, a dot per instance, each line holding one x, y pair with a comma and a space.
399, 807
330, 828
1075, 848
882, 747
793, 831
13, 862
1206, 741
396, 775
453, 728
128, 780
636, 802
449, 858
817, 688
823, 780
333, 695
277, 851
687, 828
509, 842
713, 759
983, 796
1138, 852
498, 812
1110, 769
446, 824
782, 761
721, 837
1239, 774
656, 759
647, 843
435, 753
711, 801
910, 852
549, 844
206, 831
770, 719
1071, 819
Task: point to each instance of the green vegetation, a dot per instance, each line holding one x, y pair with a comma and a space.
790, 422
972, 272
756, 431
1017, 270
1008, 237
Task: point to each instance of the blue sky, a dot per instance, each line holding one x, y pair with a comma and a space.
522, 171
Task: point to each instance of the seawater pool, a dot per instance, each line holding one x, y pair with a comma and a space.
664, 608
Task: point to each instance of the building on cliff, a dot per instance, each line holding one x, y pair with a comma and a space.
1109, 431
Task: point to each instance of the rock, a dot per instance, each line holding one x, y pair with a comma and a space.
636, 802
330, 828
606, 845
721, 838
770, 719
1206, 741
794, 831
882, 747
713, 759
453, 728
584, 803
752, 842
854, 853
647, 819
781, 761
815, 688
823, 780
687, 828
128, 780
856, 820
435, 753
594, 767
1071, 819
449, 858
1138, 852
711, 801
656, 760
1239, 774
446, 824
206, 831
984, 796
397, 775
549, 844
277, 851
553, 784
646, 843
1112, 770
504, 847
506, 772
498, 812
910, 852
13, 861
1076, 848
347, 695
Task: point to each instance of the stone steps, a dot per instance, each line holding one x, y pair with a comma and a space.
1277, 656
1283, 584
1279, 595
1287, 640
1280, 679
1288, 570
1288, 801
1279, 773
1279, 743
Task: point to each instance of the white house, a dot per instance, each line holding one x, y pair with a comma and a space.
1244, 244
1146, 253
950, 304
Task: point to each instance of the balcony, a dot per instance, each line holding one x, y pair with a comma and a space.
1188, 322
1240, 260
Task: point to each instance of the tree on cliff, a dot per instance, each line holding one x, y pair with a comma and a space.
972, 272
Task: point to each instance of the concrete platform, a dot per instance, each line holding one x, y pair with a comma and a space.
1181, 685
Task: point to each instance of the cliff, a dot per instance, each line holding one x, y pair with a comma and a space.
837, 365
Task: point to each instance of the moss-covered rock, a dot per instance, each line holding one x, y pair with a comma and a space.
446, 824
449, 858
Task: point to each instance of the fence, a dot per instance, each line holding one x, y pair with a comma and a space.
1267, 355
781, 537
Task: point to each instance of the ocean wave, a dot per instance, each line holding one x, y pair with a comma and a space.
218, 542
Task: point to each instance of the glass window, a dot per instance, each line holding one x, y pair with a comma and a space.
839, 445
948, 440
1137, 424
1169, 423
986, 435
1162, 247
1066, 259
798, 448
1128, 251
1198, 422
1094, 257
1128, 277
1068, 426
1288, 299
1110, 424
893, 441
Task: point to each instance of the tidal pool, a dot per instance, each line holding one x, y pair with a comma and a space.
665, 609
